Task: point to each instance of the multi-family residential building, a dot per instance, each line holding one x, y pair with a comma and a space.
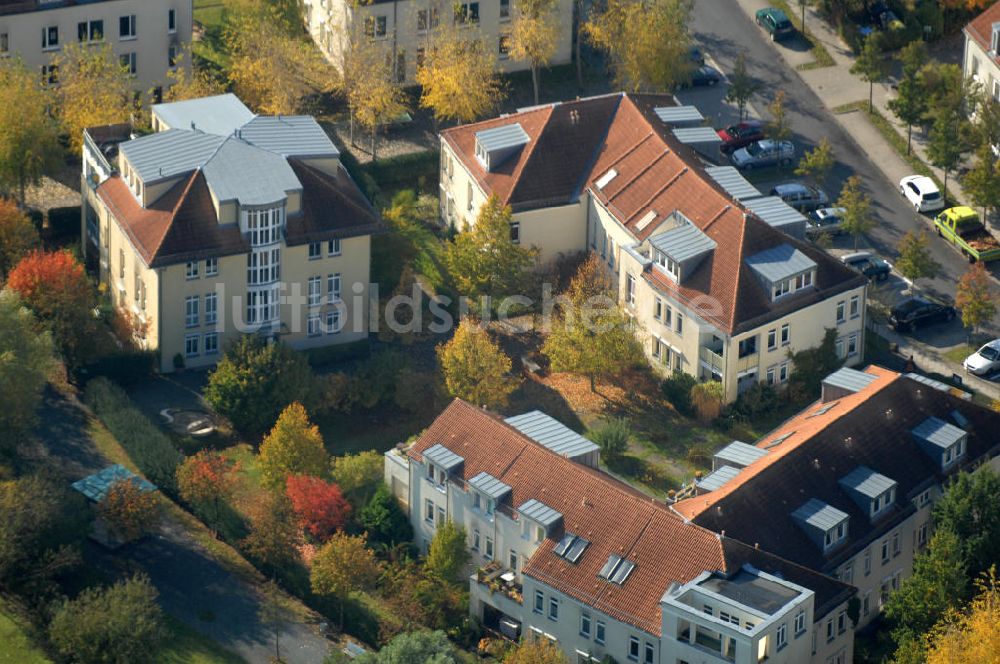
981, 57
223, 222
404, 28
700, 259
147, 36
846, 487
565, 552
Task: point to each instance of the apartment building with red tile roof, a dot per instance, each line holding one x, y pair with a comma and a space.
981, 61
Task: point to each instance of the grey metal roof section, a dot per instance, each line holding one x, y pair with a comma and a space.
219, 115
717, 478
867, 482
489, 485
539, 512
850, 380
442, 457
249, 175
552, 434
740, 454
169, 154
819, 515
502, 138
289, 136
733, 182
683, 242
774, 211
699, 135
780, 262
679, 114
938, 385
938, 432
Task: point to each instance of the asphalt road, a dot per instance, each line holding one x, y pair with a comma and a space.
724, 31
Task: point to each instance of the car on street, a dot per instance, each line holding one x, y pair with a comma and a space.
775, 23
961, 226
868, 264
763, 153
704, 76
824, 221
984, 361
802, 197
915, 311
922, 193
741, 135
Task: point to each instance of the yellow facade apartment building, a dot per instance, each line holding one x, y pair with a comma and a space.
221, 223
716, 290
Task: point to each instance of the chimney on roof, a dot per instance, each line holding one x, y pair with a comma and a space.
193, 128
756, 545
574, 116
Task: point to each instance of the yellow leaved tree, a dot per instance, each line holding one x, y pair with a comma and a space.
29, 136
458, 76
188, 81
972, 637
534, 37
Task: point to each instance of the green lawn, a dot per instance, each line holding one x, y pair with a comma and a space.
184, 645
16, 646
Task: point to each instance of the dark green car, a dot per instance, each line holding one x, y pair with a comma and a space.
775, 22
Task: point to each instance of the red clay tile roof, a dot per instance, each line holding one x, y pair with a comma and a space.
612, 516
332, 207
981, 28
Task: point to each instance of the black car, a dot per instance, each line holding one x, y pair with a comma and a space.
868, 264
704, 76
914, 312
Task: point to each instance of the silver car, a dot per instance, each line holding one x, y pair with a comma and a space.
762, 154
802, 197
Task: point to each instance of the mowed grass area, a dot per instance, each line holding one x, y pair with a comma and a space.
184, 645
16, 646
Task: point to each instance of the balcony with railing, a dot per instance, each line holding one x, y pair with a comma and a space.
711, 357
499, 580
708, 643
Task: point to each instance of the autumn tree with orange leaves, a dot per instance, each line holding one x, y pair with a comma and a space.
205, 481
55, 287
129, 511
320, 506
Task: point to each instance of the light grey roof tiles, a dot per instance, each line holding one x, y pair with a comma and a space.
819, 515
169, 154
740, 453
696, 135
552, 434
938, 432
850, 380
249, 175
442, 457
683, 242
679, 114
775, 212
538, 512
867, 482
717, 478
733, 182
489, 485
780, 262
503, 137
289, 136
219, 115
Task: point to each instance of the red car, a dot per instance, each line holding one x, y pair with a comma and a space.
741, 135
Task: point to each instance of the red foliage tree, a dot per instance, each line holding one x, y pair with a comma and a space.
205, 481
320, 506
128, 511
55, 287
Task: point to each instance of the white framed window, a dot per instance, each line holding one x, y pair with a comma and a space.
4, 43
786, 334
211, 343
191, 311
852, 344
921, 536
515, 232
333, 287
885, 551
504, 10
772, 339
512, 560
489, 547
264, 226
429, 510
50, 74
841, 312
633, 648
441, 516
333, 247
475, 539
650, 654
539, 601
679, 323
770, 375
830, 634
842, 622
895, 544
839, 348
191, 345
855, 309
314, 291
600, 630
553, 609
466, 13
312, 325
783, 372
211, 308
171, 21
781, 636
585, 624
126, 27
503, 45
172, 53
315, 251
333, 321
868, 562
211, 267
376, 26
657, 309
191, 270
90, 31
800, 623
50, 38
630, 290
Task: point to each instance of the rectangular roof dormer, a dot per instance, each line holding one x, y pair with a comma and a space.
488, 492
494, 146
824, 524
541, 515
679, 246
943, 442
439, 458
783, 269
873, 492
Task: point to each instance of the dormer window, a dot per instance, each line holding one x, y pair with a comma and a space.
678, 246
783, 270
835, 535
441, 462
871, 491
822, 523
487, 492
995, 39
538, 520
942, 441
494, 146
668, 265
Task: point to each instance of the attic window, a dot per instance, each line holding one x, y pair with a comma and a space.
616, 570
646, 220
823, 410
605, 179
494, 146
835, 535
779, 440
941, 440
871, 491
995, 39
571, 547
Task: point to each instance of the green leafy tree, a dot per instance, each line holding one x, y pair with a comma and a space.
427, 647
120, 623
449, 553
256, 380
612, 437
475, 368
592, 335
858, 218
811, 365
974, 297
870, 66
646, 42
982, 182
742, 86
293, 447
384, 520
29, 136
358, 475
969, 508
915, 260
26, 361
946, 141
18, 235
986, 125
341, 566
778, 127
817, 163
910, 103
484, 260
